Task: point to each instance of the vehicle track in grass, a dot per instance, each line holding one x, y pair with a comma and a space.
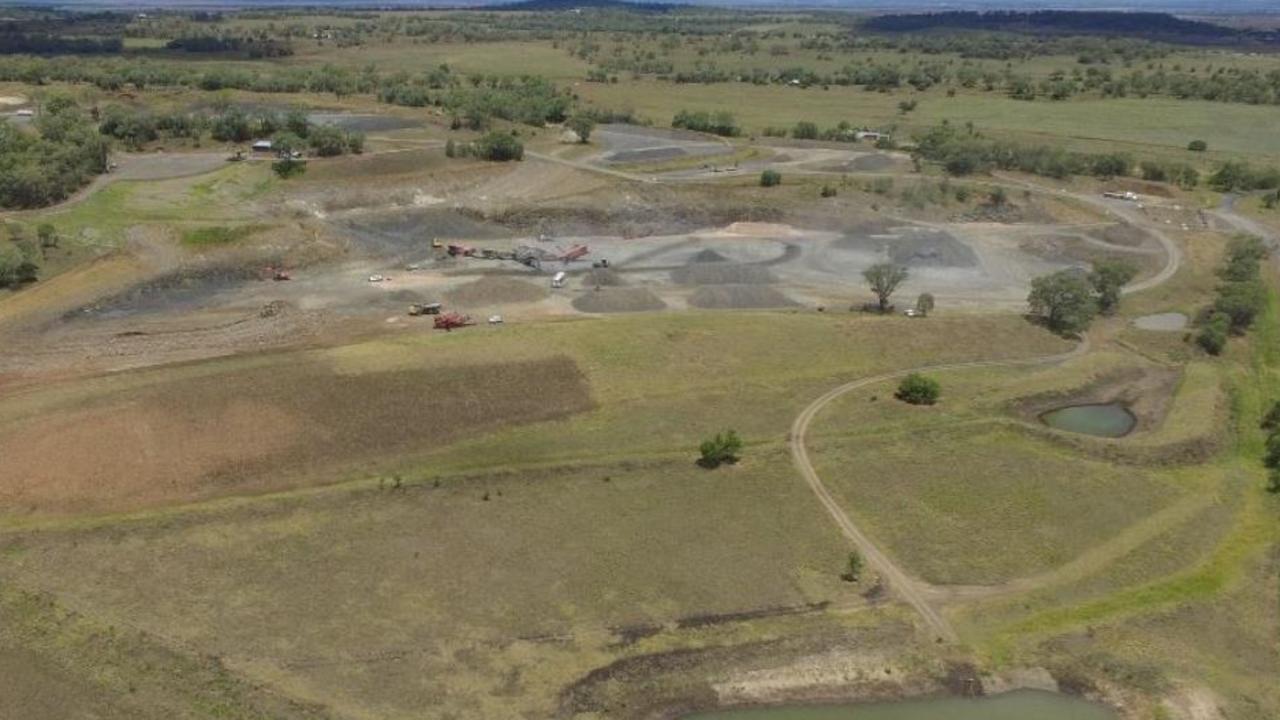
914, 591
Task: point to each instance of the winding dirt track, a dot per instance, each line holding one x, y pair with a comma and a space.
910, 589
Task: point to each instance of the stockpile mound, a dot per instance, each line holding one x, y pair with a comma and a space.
495, 291
707, 256
618, 300
721, 273
738, 297
602, 277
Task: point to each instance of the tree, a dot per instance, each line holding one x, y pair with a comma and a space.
917, 389
327, 141
1108, 277
1212, 338
998, 197
1064, 299
853, 567
286, 143
1241, 302
924, 303
1197, 146
1244, 253
581, 124
450, 149
769, 178
721, 449
884, 279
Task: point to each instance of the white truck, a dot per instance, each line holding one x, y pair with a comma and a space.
558, 280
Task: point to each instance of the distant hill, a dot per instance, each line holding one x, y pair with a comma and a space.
565, 5
1148, 25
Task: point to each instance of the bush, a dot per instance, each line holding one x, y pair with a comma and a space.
828, 191
499, 147
286, 168
1271, 457
721, 449
805, 130
918, 389
1212, 338
769, 178
1271, 421
853, 567
1197, 146
17, 266
720, 123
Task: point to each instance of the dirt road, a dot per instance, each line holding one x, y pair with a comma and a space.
910, 589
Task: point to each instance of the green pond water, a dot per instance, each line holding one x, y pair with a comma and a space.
1109, 420
1017, 705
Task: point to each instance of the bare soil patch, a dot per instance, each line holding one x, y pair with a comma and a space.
618, 300
495, 291
1146, 392
264, 428
739, 297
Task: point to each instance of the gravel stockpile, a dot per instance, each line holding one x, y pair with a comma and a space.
618, 300
722, 273
495, 291
602, 277
708, 256
738, 297
914, 247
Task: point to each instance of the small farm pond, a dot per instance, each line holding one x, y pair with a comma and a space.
1103, 420
1017, 705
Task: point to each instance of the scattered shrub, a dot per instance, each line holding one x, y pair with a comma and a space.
721, 449
918, 389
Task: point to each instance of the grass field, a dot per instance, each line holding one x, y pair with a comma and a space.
341, 513
1082, 124
567, 530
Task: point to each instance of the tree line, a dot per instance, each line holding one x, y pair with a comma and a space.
62, 156
136, 128
1241, 296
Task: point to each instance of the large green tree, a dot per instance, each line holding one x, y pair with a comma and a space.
884, 279
1065, 300
1108, 278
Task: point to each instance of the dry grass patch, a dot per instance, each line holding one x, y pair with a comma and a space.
258, 429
